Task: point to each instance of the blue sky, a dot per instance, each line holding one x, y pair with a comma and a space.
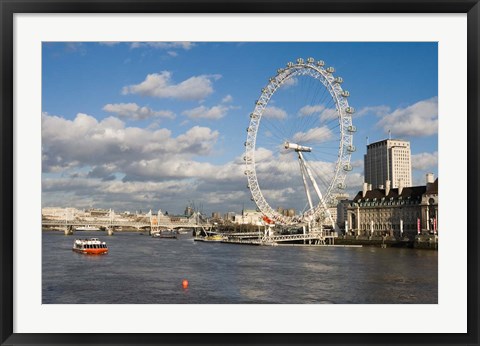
138, 126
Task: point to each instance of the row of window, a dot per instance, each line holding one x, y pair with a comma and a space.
95, 246
374, 204
387, 213
384, 227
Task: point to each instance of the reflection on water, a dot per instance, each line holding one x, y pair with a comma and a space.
143, 270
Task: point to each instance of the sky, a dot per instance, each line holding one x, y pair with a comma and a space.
161, 125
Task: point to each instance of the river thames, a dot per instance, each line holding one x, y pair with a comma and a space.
142, 270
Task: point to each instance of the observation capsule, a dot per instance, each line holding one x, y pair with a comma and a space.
341, 186
330, 69
280, 70
345, 93
299, 61
320, 63
350, 110
310, 60
347, 167
290, 64
352, 128
351, 148
338, 80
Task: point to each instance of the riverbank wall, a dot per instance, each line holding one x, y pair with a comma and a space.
425, 241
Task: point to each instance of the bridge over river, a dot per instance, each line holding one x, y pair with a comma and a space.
262, 236
69, 226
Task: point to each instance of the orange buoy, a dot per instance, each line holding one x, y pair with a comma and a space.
185, 283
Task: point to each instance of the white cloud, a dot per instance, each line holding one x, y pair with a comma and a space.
291, 82
309, 110
357, 163
220, 198
323, 169
75, 47
87, 192
324, 114
174, 168
227, 99
135, 112
273, 112
166, 180
354, 182
314, 135
278, 195
160, 85
163, 45
263, 154
419, 119
375, 110
198, 140
172, 53
424, 161
167, 169
86, 142
202, 112
328, 114
109, 43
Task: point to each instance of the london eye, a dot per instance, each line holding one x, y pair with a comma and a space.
299, 144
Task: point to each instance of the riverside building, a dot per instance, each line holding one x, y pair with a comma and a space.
402, 211
389, 159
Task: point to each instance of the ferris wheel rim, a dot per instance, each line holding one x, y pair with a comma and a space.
343, 112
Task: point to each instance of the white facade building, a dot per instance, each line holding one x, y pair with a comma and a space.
395, 212
249, 217
388, 160
56, 213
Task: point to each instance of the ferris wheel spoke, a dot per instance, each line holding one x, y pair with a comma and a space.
320, 140
321, 177
316, 121
274, 128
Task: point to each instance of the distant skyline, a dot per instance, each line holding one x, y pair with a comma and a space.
158, 125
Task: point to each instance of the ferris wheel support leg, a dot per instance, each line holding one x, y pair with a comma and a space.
303, 171
317, 190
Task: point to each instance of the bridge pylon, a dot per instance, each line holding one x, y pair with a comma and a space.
68, 230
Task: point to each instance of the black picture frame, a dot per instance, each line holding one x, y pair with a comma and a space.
10, 7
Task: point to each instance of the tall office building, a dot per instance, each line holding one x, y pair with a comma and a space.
389, 159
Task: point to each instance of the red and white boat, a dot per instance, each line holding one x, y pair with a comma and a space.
92, 246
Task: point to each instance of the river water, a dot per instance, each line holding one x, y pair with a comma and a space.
142, 270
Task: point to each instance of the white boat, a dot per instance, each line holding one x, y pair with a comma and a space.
92, 246
165, 233
184, 230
